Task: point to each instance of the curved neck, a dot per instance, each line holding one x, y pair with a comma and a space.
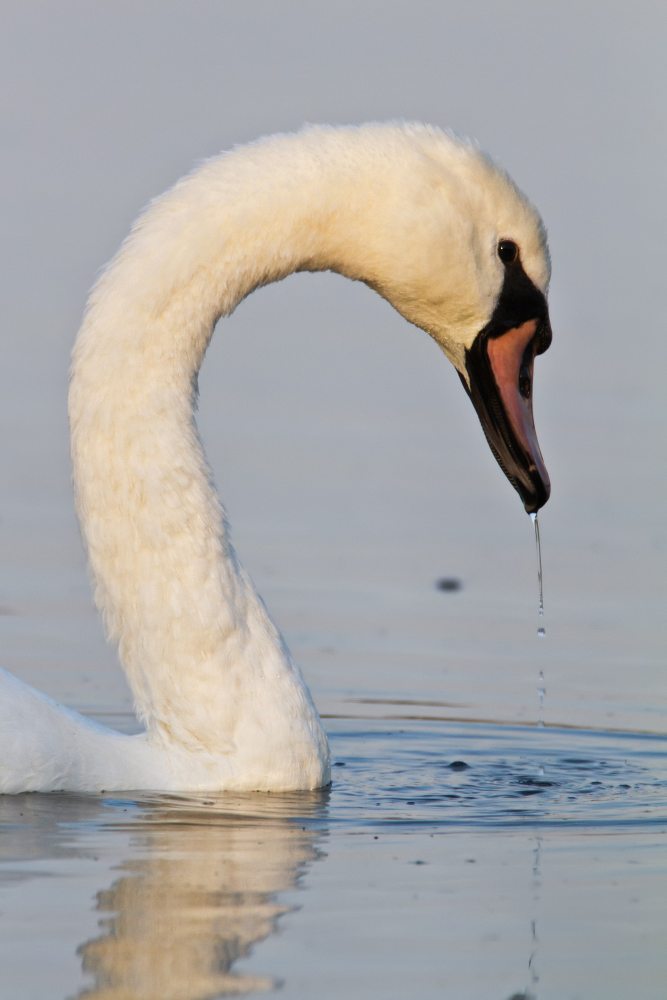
191, 630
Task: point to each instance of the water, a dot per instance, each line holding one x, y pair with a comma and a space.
541, 693
407, 775
541, 690
538, 548
447, 860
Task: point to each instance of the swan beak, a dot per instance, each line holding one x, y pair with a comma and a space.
500, 371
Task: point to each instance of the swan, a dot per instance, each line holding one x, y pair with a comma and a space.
421, 216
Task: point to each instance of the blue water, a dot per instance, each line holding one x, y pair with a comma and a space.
456, 774
446, 860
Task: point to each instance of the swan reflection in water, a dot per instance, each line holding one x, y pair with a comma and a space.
198, 894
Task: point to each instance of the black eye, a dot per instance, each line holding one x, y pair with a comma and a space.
508, 251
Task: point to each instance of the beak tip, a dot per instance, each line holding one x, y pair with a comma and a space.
538, 497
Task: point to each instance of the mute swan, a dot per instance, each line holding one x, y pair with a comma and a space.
428, 222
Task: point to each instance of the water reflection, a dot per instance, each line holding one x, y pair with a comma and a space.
477, 836
537, 884
35, 827
196, 893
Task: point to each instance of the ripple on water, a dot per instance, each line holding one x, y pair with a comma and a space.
433, 773
446, 774
196, 882
485, 775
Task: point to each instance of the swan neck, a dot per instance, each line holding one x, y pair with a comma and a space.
204, 660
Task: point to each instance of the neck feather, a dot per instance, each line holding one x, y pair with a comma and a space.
190, 627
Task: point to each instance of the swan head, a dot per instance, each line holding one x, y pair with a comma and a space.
462, 253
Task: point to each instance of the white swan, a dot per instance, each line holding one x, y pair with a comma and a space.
424, 219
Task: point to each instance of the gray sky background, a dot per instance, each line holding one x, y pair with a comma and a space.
341, 439
106, 104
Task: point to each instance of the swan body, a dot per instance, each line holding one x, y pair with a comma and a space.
417, 215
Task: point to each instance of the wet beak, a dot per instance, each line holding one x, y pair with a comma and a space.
500, 372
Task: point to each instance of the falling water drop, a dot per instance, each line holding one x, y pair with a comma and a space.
538, 547
541, 690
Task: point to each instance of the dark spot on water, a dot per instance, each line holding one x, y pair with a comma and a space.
410, 802
448, 583
458, 765
524, 780
419, 862
471, 861
339, 763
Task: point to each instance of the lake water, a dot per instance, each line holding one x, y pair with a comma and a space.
356, 477
447, 860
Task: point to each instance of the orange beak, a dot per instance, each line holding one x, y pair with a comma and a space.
500, 371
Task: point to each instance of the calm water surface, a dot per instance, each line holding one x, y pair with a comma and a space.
448, 860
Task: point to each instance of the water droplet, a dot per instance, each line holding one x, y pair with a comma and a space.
541, 633
538, 548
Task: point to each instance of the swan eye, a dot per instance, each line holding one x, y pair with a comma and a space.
508, 251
